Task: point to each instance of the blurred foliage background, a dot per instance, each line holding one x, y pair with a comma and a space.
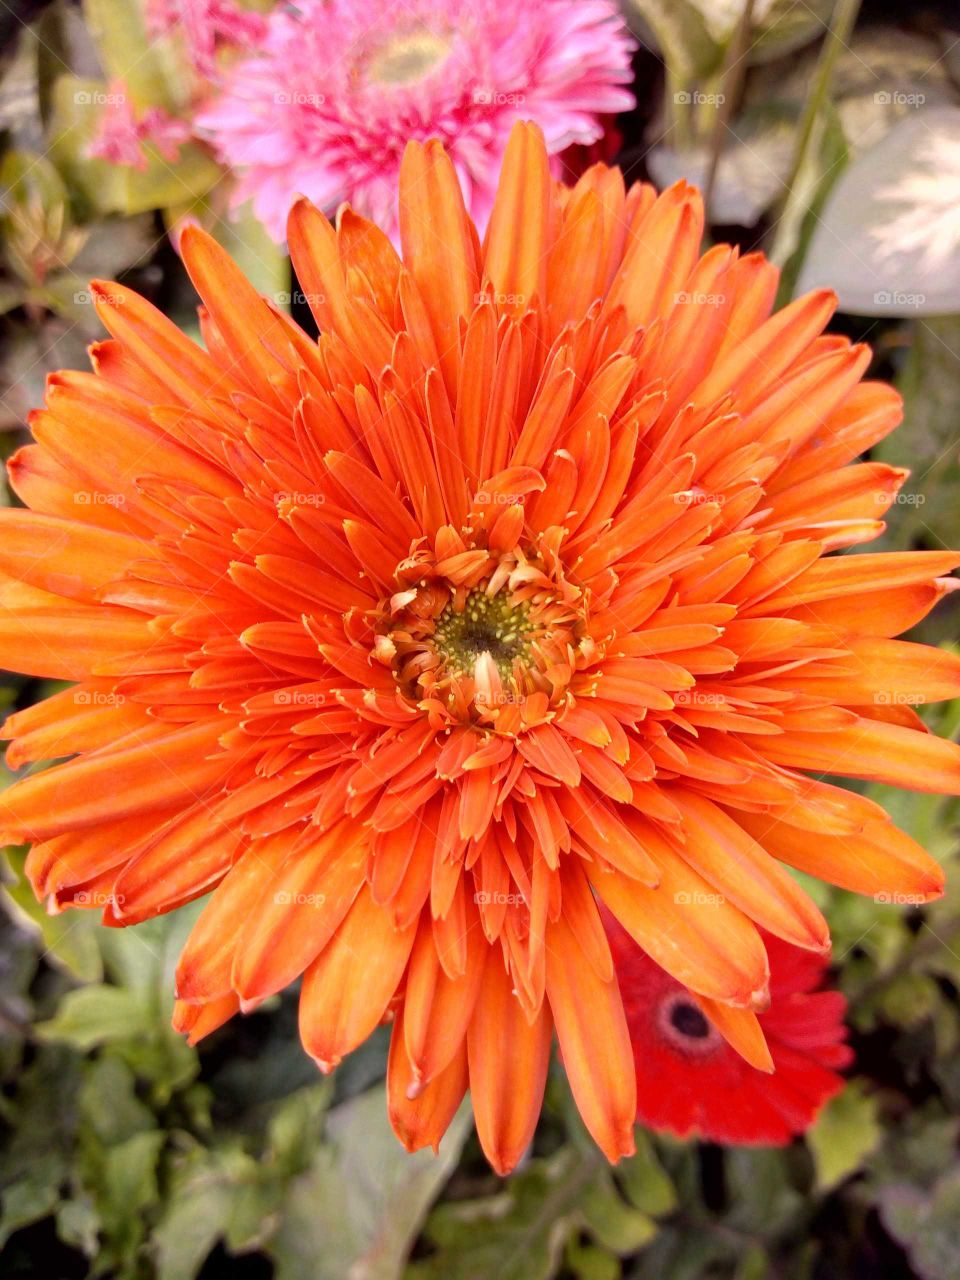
827, 134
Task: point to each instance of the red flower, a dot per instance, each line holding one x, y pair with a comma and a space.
691, 1081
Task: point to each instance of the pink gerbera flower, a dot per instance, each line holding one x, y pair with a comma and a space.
205, 24
122, 131
327, 105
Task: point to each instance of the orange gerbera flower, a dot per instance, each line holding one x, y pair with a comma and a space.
510, 593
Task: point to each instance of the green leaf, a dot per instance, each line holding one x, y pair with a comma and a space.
124, 1182
612, 1222
928, 1225
680, 32
295, 1127
587, 1262
845, 1134
206, 1189
147, 66
356, 1210
69, 939
35, 1155
521, 1232
96, 1015
109, 1104
930, 385
111, 188
32, 1197
644, 1180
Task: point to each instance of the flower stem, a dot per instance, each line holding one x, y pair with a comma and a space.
796, 202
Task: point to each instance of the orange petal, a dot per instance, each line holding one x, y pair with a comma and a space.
244, 320
437, 1009
438, 246
594, 1041
199, 1020
156, 770
420, 1113
873, 750
508, 1060
722, 851
879, 860
689, 930
297, 913
63, 556
741, 1029
515, 258
350, 984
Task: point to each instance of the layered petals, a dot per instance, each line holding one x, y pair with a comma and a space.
513, 599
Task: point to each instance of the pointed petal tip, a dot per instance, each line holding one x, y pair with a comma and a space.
326, 1065
758, 1001
620, 1142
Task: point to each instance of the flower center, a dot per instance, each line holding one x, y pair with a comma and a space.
493, 639
686, 1027
483, 624
689, 1021
408, 58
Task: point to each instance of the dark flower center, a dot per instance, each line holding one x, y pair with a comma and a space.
689, 1021
684, 1026
485, 624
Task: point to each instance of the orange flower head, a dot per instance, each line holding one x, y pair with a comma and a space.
511, 593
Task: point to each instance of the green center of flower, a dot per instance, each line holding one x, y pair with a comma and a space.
408, 58
484, 624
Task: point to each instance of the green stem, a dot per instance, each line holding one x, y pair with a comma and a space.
731, 80
795, 205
